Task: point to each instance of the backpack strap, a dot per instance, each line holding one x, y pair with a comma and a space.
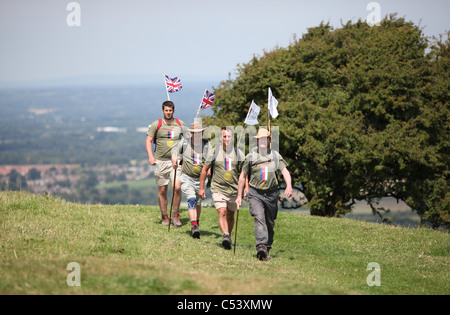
157, 128
273, 158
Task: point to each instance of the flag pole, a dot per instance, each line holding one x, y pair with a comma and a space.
200, 106
165, 85
268, 110
243, 126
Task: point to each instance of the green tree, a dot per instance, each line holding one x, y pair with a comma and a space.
16, 181
363, 114
33, 174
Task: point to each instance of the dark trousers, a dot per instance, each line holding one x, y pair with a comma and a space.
264, 208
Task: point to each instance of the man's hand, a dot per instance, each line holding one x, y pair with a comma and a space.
152, 160
238, 201
288, 191
202, 193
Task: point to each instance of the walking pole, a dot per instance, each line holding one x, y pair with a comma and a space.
173, 195
235, 231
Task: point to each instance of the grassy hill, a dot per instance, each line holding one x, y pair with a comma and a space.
125, 250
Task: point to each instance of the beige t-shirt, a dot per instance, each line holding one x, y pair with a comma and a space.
167, 137
193, 157
226, 170
263, 169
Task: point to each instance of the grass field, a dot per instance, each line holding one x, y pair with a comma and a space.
125, 250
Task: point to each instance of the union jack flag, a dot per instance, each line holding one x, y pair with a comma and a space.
172, 84
208, 99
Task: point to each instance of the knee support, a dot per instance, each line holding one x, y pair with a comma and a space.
192, 203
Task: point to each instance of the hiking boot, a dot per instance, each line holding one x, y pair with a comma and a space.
165, 220
195, 231
176, 219
226, 241
262, 252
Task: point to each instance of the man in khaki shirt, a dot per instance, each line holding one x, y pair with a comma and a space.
259, 169
192, 151
165, 133
225, 160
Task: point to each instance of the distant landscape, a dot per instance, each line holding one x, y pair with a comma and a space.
86, 144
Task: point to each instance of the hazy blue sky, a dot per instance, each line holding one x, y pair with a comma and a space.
178, 37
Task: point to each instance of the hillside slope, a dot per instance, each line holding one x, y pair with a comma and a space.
125, 250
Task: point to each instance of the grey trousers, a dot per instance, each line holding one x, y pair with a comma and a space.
264, 208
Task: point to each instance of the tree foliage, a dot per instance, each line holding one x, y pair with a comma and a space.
363, 114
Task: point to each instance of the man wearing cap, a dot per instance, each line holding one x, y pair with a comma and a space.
192, 151
259, 168
226, 163
165, 133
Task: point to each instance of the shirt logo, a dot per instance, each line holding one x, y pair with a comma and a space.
228, 164
196, 159
264, 172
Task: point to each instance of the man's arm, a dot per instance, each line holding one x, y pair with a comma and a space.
148, 146
201, 190
287, 178
243, 181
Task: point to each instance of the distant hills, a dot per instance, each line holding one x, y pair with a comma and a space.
112, 80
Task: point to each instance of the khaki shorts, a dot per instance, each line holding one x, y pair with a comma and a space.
164, 173
190, 187
222, 201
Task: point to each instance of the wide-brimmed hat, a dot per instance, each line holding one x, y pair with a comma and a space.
196, 127
262, 133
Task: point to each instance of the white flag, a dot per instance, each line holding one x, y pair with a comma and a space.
273, 104
252, 116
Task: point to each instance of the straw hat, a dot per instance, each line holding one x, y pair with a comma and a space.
263, 133
196, 127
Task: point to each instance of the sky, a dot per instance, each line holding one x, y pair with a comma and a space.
199, 39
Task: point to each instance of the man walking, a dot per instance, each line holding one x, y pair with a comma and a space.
193, 151
226, 163
165, 133
259, 168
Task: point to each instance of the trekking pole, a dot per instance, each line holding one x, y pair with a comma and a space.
235, 231
173, 195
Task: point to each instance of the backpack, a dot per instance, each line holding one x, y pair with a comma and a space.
159, 126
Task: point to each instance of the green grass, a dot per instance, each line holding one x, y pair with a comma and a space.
125, 250
132, 184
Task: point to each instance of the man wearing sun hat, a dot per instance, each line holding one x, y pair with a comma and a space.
192, 151
260, 168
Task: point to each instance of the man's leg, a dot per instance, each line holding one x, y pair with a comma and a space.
162, 200
271, 212
193, 216
230, 220
223, 223
176, 199
258, 213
